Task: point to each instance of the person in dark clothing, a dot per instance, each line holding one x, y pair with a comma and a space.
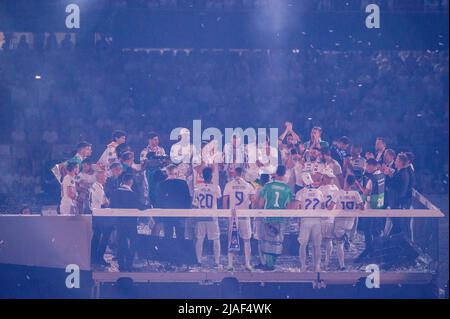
340, 149
173, 193
113, 181
373, 192
388, 169
401, 194
124, 197
412, 176
127, 161
401, 183
152, 165
380, 148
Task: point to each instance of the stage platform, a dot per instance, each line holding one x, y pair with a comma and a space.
210, 277
287, 272
234, 282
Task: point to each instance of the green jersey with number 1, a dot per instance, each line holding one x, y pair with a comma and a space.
277, 195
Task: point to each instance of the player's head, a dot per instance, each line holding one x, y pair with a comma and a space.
327, 176
116, 169
290, 140
127, 157
343, 142
185, 135
410, 157
119, 136
355, 150
316, 133
86, 164
72, 168
326, 154
153, 139
122, 148
127, 179
314, 153
238, 172
372, 165
401, 161
207, 174
380, 144
84, 149
349, 182
280, 172
172, 171
100, 176
264, 179
389, 156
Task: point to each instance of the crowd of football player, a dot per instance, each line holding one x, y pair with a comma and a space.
297, 175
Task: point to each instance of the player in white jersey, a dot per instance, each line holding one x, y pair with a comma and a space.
184, 154
335, 167
206, 196
68, 190
251, 172
238, 193
313, 165
345, 199
152, 147
102, 228
109, 156
210, 157
267, 158
329, 190
309, 198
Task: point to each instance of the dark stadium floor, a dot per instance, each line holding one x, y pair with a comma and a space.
285, 263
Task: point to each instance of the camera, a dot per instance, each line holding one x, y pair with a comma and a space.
154, 161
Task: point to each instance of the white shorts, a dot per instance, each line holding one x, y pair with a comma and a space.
343, 225
245, 228
209, 228
327, 225
310, 228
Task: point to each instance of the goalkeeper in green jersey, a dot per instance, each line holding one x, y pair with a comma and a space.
274, 195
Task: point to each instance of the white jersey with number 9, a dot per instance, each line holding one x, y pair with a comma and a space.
239, 192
